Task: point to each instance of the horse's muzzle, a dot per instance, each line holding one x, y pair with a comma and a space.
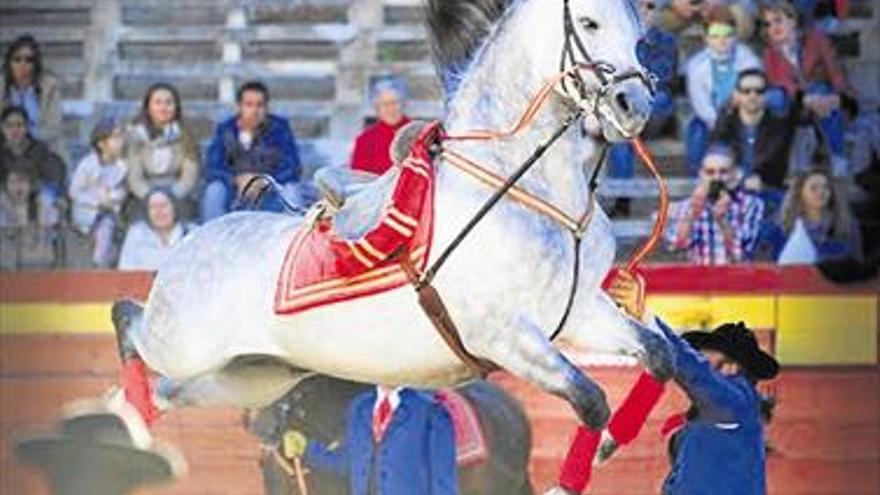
625, 110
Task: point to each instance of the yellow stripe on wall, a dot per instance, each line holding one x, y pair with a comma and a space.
694, 312
827, 330
54, 318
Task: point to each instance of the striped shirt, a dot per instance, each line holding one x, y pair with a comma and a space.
707, 244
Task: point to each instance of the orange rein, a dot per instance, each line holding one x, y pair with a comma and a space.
525, 121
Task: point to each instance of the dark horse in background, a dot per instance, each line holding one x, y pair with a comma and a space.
316, 407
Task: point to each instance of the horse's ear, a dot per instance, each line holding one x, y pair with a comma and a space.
457, 28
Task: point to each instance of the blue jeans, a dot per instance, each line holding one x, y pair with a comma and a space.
696, 144
832, 126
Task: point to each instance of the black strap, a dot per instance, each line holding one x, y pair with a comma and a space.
594, 180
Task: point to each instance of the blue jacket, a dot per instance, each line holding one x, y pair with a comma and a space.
721, 450
416, 453
273, 151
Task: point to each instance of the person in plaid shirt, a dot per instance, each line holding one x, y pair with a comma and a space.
720, 222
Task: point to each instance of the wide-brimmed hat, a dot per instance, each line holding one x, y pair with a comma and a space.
739, 343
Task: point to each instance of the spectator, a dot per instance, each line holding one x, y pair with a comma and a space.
44, 168
22, 241
27, 84
160, 150
760, 139
677, 15
806, 62
711, 77
252, 142
815, 203
719, 224
97, 191
658, 52
397, 441
148, 242
371, 149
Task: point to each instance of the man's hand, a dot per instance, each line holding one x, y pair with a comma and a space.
293, 444
628, 291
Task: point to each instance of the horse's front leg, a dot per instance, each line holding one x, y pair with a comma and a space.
524, 351
603, 327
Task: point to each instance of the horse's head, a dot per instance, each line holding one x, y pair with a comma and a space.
596, 41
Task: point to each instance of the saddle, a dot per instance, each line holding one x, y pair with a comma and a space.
354, 250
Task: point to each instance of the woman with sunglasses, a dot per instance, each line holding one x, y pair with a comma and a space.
27, 84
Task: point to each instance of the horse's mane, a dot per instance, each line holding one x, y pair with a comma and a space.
456, 29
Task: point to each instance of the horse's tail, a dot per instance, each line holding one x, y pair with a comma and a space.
127, 315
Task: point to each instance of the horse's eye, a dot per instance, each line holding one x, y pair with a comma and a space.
588, 23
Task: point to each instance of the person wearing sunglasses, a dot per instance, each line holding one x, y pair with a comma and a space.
805, 61
760, 138
27, 84
711, 77
720, 222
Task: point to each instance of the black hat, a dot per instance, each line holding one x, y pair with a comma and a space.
740, 344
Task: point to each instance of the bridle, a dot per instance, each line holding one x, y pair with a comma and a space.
574, 54
570, 73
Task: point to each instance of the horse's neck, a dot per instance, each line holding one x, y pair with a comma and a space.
493, 95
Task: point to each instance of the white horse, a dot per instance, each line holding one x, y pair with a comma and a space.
209, 329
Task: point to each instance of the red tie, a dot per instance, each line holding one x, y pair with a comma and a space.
381, 418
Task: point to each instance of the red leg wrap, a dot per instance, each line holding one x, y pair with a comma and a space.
630, 417
138, 389
578, 464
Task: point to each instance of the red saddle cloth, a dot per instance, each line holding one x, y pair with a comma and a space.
322, 268
470, 443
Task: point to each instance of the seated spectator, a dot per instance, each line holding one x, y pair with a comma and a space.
760, 139
720, 222
678, 15
658, 53
711, 77
251, 143
44, 168
160, 151
148, 242
27, 84
805, 61
23, 243
820, 208
97, 191
371, 149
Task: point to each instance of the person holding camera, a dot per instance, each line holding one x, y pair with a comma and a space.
720, 222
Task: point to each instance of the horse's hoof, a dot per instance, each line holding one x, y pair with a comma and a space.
558, 490
123, 315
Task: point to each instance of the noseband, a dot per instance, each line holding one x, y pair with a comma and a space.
574, 48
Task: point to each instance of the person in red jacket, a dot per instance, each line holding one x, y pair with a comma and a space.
371, 149
804, 61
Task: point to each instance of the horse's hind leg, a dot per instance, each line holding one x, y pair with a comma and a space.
127, 315
251, 381
528, 354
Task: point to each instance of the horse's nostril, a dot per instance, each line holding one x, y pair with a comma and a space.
622, 102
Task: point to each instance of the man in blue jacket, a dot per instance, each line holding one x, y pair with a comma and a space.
398, 441
720, 448
252, 142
